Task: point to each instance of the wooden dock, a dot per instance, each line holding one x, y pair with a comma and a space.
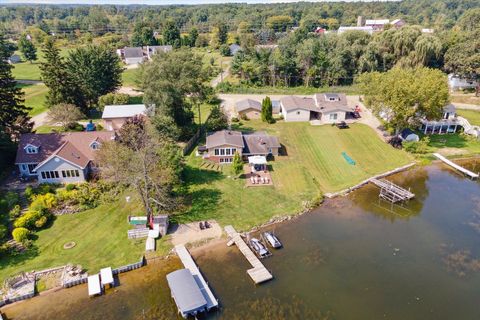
258, 273
391, 192
469, 173
189, 264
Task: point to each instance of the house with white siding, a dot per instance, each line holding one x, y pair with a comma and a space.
59, 157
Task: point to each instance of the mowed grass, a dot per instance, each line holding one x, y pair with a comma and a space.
31, 71
129, 77
35, 97
473, 116
100, 235
313, 165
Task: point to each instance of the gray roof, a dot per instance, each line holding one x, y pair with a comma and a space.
225, 137
246, 104
450, 108
185, 291
123, 111
293, 102
154, 49
234, 48
325, 105
259, 143
136, 52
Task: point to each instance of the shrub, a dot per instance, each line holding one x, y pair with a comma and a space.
20, 234
41, 222
112, 99
237, 164
225, 50
244, 117
41, 189
419, 147
70, 187
45, 201
3, 231
235, 119
15, 212
27, 220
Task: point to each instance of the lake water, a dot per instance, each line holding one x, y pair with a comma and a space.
353, 258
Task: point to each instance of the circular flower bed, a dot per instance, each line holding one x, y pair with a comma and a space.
69, 245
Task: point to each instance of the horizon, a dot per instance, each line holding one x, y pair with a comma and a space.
169, 2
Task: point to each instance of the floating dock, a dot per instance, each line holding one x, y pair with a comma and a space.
106, 276
391, 192
94, 287
258, 273
189, 264
469, 173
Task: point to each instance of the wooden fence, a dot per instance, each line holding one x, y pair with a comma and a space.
194, 140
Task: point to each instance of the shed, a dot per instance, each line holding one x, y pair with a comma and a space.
160, 223
94, 285
106, 276
186, 293
249, 107
409, 135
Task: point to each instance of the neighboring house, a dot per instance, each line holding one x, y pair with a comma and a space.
409, 135
222, 145
368, 29
449, 112
151, 50
327, 107
276, 106
249, 108
133, 55
398, 23
377, 24
449, 123
234, 48
15, 58
456, 82
114, 116
59, 157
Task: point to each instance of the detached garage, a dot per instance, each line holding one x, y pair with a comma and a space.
252, 109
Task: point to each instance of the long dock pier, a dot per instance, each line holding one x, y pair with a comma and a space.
469, 173
391, 192
189, 264
258, 273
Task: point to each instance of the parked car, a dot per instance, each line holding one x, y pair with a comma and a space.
342, 125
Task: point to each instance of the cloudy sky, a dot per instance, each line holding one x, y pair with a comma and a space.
154, 2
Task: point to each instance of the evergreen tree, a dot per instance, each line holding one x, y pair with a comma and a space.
192, 36
222, 33
13, 112
27, 49
143, 36
267, 110
54, 75
237, 164
171, 33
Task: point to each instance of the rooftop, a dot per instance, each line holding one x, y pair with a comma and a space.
123, 111
133, 52
294, 102
246, 104
225, 137
185, 291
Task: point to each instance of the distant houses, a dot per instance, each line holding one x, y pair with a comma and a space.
136, 55
456, 82
326, 107
371, 26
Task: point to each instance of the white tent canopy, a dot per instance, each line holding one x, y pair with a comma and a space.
257, 160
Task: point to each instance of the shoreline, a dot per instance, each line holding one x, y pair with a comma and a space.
197, 249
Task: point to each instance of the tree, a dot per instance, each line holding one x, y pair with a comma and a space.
405, 95
12, 107
65, 114
267, 110
148, 162
225, 50
27, 49
237, 164
170, 82
61, 89
95, 71
171, 33
192, 37
217, 120
222, 33
20, 234
279, 23
112, 99
143, 36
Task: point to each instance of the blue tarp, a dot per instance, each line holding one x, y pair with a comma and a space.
349, 160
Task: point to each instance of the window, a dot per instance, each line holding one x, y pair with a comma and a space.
222, 152
227, 151
95, 145
64, 174
31, 167
221, 160
31, 149
333, 116
50, 174
298, 112
217, 152
24, 167
43, 175
234, 150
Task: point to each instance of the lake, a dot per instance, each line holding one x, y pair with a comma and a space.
353, 258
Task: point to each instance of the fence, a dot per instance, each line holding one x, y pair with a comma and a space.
193, 141
75, 282
130, 267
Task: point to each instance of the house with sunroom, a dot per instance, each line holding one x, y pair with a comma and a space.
59, 157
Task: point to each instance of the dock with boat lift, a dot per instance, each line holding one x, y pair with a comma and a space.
189, 264
391, 192
258, 273
469, 173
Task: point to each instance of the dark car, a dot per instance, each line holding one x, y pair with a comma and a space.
356, 114
342, 125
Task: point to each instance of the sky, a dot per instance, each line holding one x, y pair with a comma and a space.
155, 2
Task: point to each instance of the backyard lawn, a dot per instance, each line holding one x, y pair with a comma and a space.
314, 164
101, 240
128, 77
35, 95
31, 71
473, 116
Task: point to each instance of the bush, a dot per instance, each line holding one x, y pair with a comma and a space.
225, 50
244, 117
41, 222
28, 219
112, 98
41, 189
3, 231
418, 147
70, 187
235, 119
45, 201
225, 87
20, 234
15, 212
217, 120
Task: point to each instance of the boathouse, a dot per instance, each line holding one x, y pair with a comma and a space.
186, 293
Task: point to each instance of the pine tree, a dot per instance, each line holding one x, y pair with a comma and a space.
27, 49
55, 77
237, 164
267, 110
13, 112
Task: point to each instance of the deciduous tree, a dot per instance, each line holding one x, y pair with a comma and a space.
65, 114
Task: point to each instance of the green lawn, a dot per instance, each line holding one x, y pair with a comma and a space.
236, 87
31, 71
35, 96
314, 164
454, 144
100, 236
128, 77
473, 116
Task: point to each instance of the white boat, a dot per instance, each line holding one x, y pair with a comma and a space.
272, 240
259, 247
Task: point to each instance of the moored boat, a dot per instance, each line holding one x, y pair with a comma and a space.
272, 240
259, 248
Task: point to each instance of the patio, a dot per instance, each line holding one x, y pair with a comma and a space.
256, 172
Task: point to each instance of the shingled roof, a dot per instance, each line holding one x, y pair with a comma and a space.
331, 102
225, 137
74, 147
293, 102
246, 104
259, 143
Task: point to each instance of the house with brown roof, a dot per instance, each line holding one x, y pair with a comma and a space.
327, 107
252, 109
222, 145
59, 157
